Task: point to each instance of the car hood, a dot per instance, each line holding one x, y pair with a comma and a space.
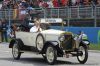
52, 31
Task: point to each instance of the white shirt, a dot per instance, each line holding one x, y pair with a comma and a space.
34, 29
50, 4
23, 12
82, 35
73, 1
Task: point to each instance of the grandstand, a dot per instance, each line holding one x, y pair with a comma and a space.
82, 13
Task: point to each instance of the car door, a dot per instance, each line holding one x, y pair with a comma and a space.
28, 38
32, 38
23, 36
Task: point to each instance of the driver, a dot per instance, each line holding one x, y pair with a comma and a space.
78, 38
36, 27
82, 34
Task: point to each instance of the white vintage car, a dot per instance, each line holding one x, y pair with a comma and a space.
50, 44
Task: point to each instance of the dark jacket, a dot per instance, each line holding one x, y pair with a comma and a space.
4, 27
0, 28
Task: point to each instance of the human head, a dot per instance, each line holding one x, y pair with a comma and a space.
36, 22
81, 32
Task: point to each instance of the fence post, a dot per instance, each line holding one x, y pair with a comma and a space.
95, 17
58, 11
44, 9
92, 12
68, 17
51, 11
9, 18
78, 11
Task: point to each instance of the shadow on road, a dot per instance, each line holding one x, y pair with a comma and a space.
40, 61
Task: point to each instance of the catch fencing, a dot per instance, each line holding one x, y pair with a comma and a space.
67, 13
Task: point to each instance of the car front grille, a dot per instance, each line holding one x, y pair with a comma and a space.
67, 44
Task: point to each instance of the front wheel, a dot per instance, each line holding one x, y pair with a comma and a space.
51, 54
16, 51
84, 56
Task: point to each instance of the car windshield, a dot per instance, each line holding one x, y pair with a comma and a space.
45, 26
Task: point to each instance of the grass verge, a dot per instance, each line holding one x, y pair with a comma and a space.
94, 46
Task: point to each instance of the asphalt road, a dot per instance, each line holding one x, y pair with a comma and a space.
30, 59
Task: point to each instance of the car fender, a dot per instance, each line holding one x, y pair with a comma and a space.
87, 42
55, 44
12, 43
20, 43
86, 46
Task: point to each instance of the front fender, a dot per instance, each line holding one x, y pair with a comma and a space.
86, 45
55, 44
86, 42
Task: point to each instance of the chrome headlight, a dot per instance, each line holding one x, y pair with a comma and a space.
62, 38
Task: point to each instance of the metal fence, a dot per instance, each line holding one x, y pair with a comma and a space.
68, 13
75, 12
6, 13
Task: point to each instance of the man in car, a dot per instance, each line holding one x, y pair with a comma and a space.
82, 35
36, 27
79, 38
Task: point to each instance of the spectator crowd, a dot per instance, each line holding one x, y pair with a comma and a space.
22, 7
46, 3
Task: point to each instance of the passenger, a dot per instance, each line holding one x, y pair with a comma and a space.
81, 35
36, 27
13, 29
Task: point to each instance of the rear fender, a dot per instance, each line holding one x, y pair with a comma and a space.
20, 43
12, 43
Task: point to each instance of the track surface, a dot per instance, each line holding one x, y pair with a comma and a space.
28, 59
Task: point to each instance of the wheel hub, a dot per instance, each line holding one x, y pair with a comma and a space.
15, 50
50, 54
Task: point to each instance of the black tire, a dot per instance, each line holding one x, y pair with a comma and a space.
16, 51
37, 43
53, 52
82, 59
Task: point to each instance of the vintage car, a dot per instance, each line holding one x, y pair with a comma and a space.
50, 43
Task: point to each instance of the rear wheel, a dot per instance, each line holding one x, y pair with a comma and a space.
16, 51
83, 58
51, 54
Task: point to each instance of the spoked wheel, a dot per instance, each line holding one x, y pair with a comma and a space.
16, 51
83, 58
39, 42
51, 55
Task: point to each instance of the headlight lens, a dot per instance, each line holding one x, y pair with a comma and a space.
62, 38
